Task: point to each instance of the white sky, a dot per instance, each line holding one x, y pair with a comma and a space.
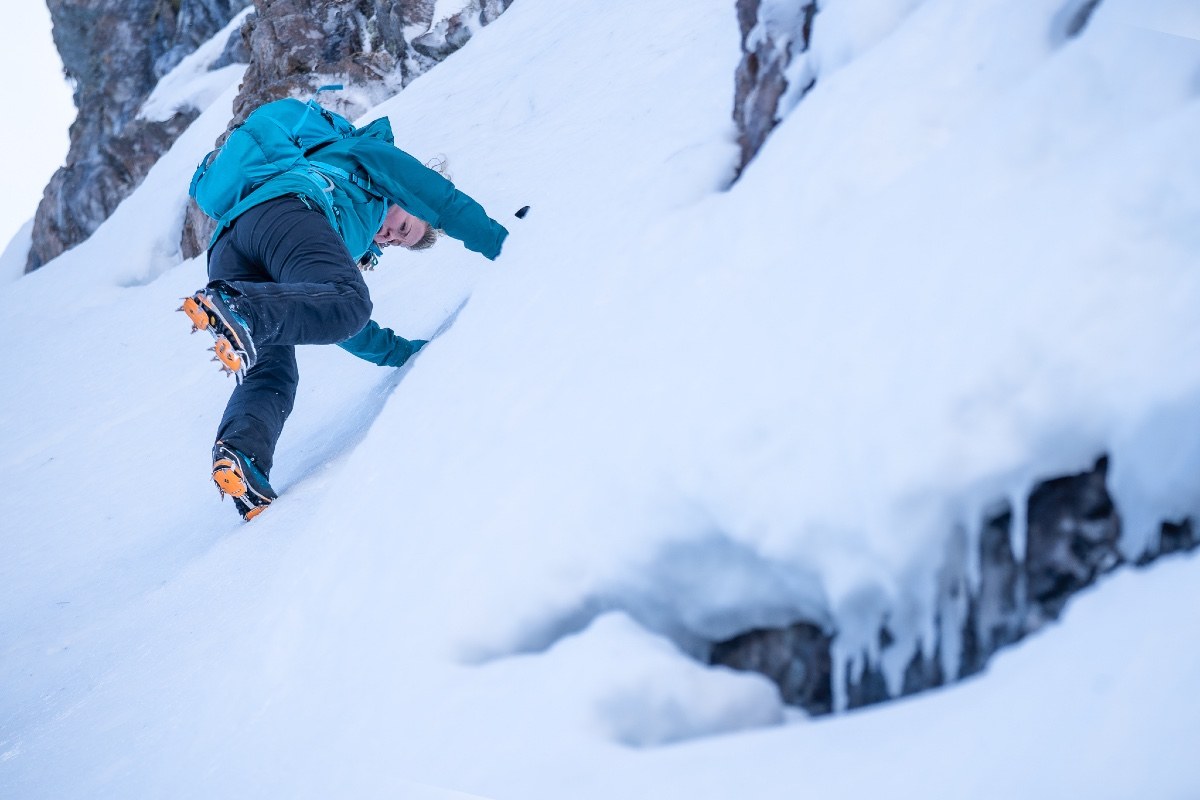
38, 97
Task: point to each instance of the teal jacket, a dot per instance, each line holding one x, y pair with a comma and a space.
353, 181
381, 346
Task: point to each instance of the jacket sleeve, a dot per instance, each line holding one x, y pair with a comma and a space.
380, 346
423, 192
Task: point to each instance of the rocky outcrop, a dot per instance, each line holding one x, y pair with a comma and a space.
296, 46
796, 658
451, 33
115, 51
774, 32
1070, 539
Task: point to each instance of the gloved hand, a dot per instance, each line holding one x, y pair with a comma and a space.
414, 345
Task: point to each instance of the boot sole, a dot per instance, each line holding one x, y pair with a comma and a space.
205, 317
230, 481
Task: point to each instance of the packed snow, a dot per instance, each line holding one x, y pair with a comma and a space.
667, 414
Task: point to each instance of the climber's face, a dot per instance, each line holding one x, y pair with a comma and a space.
400, 228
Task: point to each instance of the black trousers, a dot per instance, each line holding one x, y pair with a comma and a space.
291, 278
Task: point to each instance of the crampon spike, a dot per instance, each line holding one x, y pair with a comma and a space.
233, 348
195, 313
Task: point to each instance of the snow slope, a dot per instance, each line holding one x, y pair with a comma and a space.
666, 414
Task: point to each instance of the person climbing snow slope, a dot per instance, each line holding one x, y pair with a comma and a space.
285, 263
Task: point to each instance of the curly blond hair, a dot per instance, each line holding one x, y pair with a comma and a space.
427, 241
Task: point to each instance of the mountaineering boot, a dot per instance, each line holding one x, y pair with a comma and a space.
236, 475
209, 310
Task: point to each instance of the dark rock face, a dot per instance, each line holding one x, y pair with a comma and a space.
81, 195
1073, 532
1174, 537
796, 658
1071, 536
115, 51
296, 46
768, 46
195, 23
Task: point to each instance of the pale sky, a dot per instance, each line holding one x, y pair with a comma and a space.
39, 112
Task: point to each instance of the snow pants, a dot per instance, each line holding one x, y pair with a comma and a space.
289, 275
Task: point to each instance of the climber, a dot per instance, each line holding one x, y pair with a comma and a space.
285, 268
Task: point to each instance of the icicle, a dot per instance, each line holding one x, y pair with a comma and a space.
952, 618
905, 644
1018, 532
972, 558
839, 675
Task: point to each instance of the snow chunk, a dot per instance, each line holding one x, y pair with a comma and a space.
444, 9
640, 690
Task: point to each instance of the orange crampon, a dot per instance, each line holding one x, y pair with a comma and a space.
233, 348
237, 476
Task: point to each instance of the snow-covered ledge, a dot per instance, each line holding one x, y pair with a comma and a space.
994, 589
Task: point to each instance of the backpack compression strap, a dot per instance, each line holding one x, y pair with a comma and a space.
346, 175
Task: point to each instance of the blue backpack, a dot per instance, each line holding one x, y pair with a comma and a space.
275, 139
